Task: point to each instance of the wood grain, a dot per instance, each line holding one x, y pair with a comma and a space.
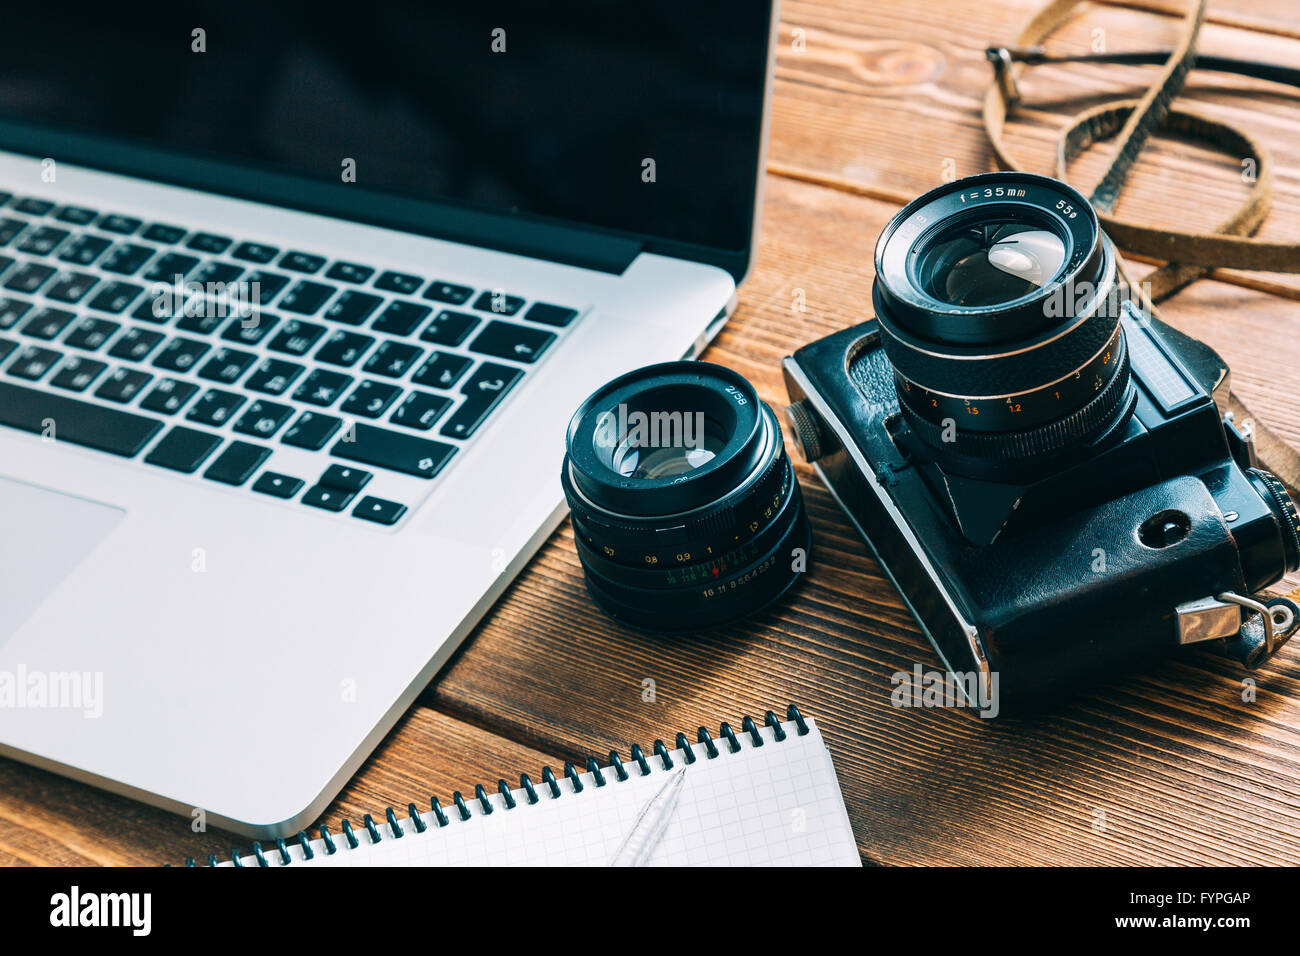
1170, 766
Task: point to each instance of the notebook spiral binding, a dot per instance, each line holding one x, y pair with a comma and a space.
549, 782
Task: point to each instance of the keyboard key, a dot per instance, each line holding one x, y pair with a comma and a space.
78, 422
215, 407
227, 365
123, 385
207, 242
84, 249
547, 314
255, 252
379, 510
344, 348
181, 354
115, 297
169, 396
483, 391
251, 329
498, 303
392, 359
352, 308
263, 419
32, 207
395, 451
11, 310
296, 337
123, 225
350, 272
158, 309
448, 292
7, 347
5, 197
311, 430
201, 317
277, 485
6, 262
322, 387
126, 259
236, 464
213, 272
167, 235
301, 262
170, 265
9, 228
47, 323
71, 287
32, 363
322, 496
28, 277
400, 318
90, 334
345, 478
399, 282
77, 215
449, 328
273, 376
370, 399
420, 410
76, 374
183, 449
442, 370
135, 344
509, 341
265, 286
306, 298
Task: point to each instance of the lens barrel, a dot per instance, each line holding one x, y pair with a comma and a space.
686, 513
999, 308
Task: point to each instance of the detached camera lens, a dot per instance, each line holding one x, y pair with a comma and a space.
686, 512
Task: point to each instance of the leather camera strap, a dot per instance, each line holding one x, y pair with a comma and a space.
1186, 255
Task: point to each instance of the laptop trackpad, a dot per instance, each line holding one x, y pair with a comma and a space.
44, 535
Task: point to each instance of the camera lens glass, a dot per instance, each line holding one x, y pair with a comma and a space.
989, 262
999, 309
686, 513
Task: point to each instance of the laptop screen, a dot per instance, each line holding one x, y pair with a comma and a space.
639, 119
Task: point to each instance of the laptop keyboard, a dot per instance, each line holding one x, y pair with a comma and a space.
371, 370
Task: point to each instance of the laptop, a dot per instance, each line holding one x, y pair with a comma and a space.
294, 309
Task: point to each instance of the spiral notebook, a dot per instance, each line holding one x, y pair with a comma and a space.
766, 795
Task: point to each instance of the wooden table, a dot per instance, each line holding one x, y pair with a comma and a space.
874, 103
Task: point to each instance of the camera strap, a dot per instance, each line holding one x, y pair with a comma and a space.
1187, 256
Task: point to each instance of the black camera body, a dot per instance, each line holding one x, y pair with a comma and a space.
1103, 512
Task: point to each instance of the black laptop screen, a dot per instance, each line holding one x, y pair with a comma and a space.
639, 118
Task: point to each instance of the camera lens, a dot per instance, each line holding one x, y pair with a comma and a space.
686, 513
999, 309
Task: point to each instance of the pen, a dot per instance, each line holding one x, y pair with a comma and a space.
650, 824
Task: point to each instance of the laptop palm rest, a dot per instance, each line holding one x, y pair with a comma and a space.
44, 535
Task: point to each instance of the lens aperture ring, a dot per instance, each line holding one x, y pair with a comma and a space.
1284, 509
1092, 417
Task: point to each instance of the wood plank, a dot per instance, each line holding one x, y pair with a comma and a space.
49, 820
887, 101
1182, 769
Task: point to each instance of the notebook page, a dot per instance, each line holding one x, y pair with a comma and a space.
778, 804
